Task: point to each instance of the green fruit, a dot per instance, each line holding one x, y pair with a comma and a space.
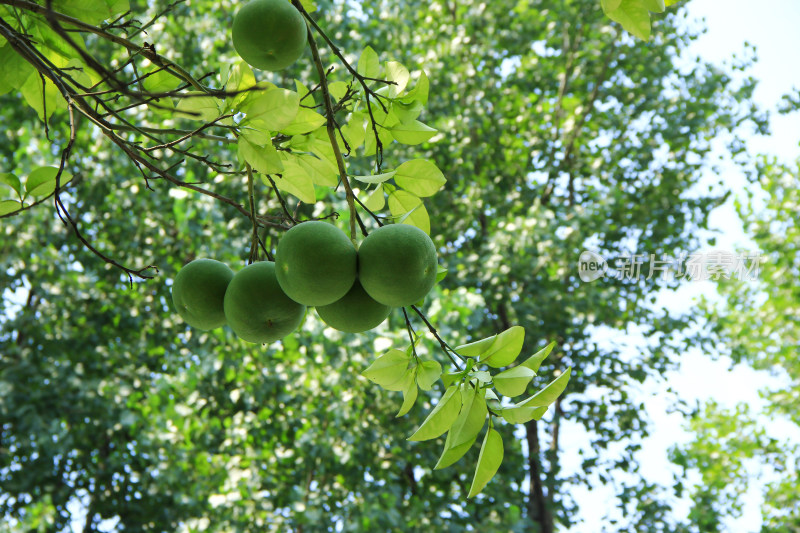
269, 34
354, 312
198, 292
316, 263
256, 307
397, 265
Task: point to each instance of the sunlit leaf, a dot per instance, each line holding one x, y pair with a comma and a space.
514, 381
420, 177
442, 416
489, 461
389, 370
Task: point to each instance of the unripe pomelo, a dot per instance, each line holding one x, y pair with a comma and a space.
257, 309
269, 34
355, 312
316, 263
198, 292
397, 264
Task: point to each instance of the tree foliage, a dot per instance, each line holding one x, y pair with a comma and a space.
552, 131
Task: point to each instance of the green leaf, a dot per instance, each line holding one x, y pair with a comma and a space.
158, 80
305, 121
9, 206
91, 11
376, 178
489, 461
656, 6
273, 109
43, 98
442, 416
428, 372
407, 112
264, 158
633, 16
354, 131
450, 453
514, 381
240, 78
481, 375
420, 91
322, 172
399, 74
549, 394
198, 107
409, 210
497, 351
448, 378
412, 133
420, 176
375, 201
440, 274
337, 89
609, 5
42, 181
472, 416
389, 370
6, 178
369, 65
15, 70
522, 415
295, 180
409, 397
535, 361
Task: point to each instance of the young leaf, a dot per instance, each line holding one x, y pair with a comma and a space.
633, 16
548, 395
420, 91
451, 453
42, 181
389, 370
409, 397
497, 351
240, 78
9, 206
472, 416
440, 274
321, 171
407, 112
375, 201
410, 210
12, 181
489, 461
399, 74
369, 65
535, 361
514, 381
197, 107
450, 377
522, 415
295, 180
273, 109
264, 158
412, 133
442, 416
428, 373
481, 375
305, 121
420, 176
377, 178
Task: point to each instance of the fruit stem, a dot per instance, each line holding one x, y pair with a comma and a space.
331, 127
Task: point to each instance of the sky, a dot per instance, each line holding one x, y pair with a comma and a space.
770, 26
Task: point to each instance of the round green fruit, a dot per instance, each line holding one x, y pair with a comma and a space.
198, 292
397, 265
355, 312
316, 263
257, 309
269, 34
